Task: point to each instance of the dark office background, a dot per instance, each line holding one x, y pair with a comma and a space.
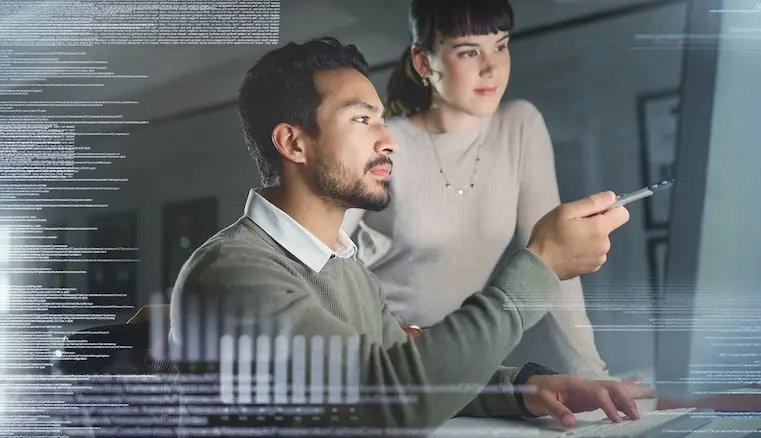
606, 75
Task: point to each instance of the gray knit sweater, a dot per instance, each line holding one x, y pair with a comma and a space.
253, 279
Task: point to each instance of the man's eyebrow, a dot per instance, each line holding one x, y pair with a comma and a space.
361, 104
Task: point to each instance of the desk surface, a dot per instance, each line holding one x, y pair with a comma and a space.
548, 427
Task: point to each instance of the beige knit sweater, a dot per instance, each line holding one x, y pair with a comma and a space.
432, 248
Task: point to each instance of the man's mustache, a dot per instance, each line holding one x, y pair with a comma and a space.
379, 161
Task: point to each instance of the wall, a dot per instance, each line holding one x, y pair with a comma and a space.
181, 160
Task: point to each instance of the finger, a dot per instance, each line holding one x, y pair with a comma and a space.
640, 390
616, 217
633, 379
623, 400
591, 205
557, 410
605, 403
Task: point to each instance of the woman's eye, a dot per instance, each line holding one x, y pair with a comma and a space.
468, 54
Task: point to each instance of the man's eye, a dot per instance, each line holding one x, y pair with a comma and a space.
362, 119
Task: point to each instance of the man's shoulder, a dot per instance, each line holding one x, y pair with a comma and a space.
241, 249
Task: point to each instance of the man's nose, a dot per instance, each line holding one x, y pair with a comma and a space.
386, 144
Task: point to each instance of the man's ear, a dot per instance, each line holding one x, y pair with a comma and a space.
290, 141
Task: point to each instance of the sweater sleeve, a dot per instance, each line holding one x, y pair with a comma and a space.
436, 375
569, 324
496, 399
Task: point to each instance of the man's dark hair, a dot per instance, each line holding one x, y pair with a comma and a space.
280, 88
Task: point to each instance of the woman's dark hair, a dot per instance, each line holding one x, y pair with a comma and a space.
431, 21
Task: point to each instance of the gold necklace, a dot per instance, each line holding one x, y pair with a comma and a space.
447, 184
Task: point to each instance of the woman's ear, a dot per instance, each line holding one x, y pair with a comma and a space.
420, 62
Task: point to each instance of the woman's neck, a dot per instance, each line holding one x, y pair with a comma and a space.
442, 119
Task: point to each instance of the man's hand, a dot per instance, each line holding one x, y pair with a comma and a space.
573, 238
560, 396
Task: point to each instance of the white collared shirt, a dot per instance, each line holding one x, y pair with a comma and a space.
296, 239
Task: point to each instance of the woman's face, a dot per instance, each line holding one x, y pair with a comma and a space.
469, 73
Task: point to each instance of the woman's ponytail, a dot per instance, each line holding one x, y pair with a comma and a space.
405, 93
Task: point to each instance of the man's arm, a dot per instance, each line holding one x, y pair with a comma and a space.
441, 371
497, 398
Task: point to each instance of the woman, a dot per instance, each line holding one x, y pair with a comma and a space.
469, 177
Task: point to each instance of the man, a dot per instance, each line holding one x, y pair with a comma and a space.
314, 124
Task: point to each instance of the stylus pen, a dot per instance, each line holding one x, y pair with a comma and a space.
626, 198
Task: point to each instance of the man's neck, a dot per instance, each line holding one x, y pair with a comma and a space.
319, 216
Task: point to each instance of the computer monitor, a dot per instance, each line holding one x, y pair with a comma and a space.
708, 336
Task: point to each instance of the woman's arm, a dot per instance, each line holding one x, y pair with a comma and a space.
570, 328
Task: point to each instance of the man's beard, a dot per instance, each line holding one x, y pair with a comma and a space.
335, 182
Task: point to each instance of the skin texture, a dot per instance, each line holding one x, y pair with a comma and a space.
560, 396
456, 70
347, 166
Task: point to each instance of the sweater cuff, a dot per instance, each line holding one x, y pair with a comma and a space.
526, 372
503, 402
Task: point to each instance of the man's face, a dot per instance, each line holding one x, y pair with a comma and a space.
350, 161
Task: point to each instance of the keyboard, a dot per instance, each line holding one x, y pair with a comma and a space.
669, 423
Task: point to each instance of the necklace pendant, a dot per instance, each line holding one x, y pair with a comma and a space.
460, 192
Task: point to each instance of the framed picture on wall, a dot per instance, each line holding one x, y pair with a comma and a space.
656, 253
658, 119
185, 225
114, 277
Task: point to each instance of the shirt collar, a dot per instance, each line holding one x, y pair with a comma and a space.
296, 239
